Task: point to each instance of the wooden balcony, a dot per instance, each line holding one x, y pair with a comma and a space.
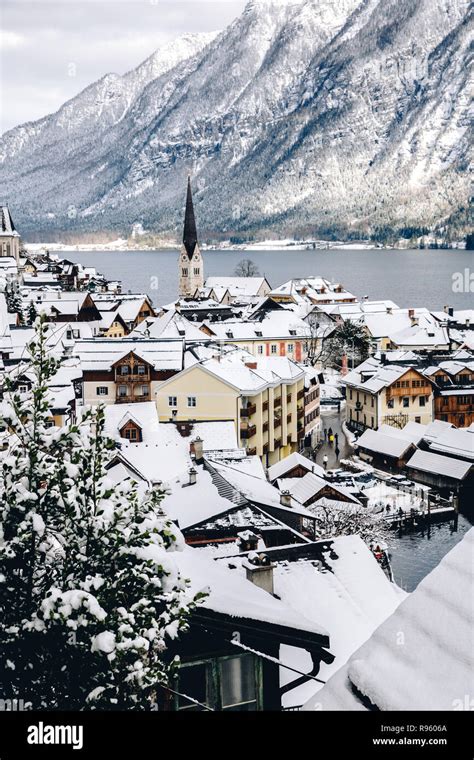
300, 394
248, 411
288, 398
265, 406
288, 418
277, 423
277, 402
265, 427
300, 413
248, 432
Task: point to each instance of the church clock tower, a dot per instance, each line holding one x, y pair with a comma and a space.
191, 265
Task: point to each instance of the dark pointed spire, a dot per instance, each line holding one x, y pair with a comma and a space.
190, 232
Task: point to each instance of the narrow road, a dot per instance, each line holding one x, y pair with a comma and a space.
331, 419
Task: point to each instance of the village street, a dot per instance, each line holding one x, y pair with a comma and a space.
333, 419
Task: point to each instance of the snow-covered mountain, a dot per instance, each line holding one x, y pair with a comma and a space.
302, 115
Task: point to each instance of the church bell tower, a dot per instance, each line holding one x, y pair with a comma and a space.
191, 265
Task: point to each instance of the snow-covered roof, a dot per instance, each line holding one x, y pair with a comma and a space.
350, 599
103, 353
144, 414
287, 464
282, 324
431, 667
427, 461
230, 593
306, 488
237, 286
382, 443
171, 324
455, 442
164, 454
256, 489
372, 377
246, 373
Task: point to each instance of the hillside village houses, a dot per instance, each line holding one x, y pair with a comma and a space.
217, 398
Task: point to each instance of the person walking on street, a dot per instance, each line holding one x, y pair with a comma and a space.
325, 434
325, 461
336, 438
337, 451
330, 432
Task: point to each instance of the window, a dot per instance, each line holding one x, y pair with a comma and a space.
68, 334
141, 369
144, 390
184, 272
406, 401
76, 334
172, 401
224, 683
196, 270
422, 401
23, 388
259, 349
131, 434
417, 419
238, 687
102, 390
290, 348
274, 348
124, 369
122, 391
192, 401
391, 403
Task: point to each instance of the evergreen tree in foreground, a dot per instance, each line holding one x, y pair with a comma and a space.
89, 592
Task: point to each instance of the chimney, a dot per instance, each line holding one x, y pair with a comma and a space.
450, 311
197, 447
411, 313
285, 498
192, 476
247, 541
383, 358
389, 309
259, 570
468, 322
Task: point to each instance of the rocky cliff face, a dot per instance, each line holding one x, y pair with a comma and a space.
300, 116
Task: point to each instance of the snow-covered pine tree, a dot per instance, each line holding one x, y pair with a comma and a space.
32, 313
90, 594
14, 303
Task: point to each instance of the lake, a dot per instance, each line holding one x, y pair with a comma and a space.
410, 278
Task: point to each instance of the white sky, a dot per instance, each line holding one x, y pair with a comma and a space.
40, 39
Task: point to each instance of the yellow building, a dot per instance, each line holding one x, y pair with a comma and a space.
381, 394
264, 398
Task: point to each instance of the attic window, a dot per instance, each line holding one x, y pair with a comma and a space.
258, 333
229, 333
292, 331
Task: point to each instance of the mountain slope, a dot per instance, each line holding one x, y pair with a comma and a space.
305, 115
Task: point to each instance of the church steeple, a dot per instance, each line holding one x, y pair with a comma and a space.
190, 232
191, 265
